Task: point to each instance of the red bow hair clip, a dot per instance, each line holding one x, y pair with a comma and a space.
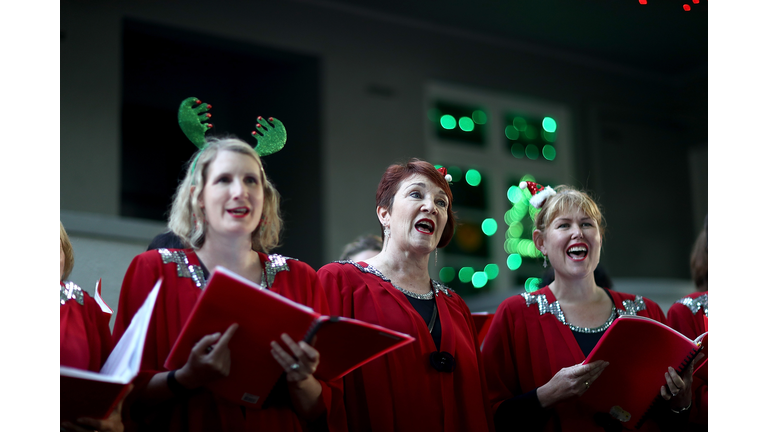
444, 172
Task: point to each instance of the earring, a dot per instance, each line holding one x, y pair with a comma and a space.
386, 237
545, 261
435, 257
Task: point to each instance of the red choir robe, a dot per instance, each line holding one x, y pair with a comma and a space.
85, 341
182, 285
401, 391
523, 350
687, 316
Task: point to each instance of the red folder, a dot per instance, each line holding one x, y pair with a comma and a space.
263, 316
86, 395
482, 324
639, 351
96, 394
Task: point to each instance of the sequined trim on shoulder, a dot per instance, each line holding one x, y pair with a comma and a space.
632, 307
437, 287
554, 309
70, 291
183, 267
275, 265
695, 304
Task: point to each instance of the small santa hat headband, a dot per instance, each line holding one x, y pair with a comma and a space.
444, 172
539, 193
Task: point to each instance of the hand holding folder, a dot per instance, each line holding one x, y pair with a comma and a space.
263, 316
639, 351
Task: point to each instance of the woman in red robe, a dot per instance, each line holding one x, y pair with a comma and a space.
85, 341
228, 211
537, 341
435, 383
689, 316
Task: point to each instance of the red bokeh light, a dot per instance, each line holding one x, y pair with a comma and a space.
695, 1
686, 7
643, 1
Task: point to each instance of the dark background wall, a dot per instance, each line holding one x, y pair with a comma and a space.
348, 80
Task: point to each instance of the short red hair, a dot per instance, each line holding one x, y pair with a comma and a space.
394, 176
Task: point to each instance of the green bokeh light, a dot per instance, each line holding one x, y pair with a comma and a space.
514, 194
549, 124
479, 117
548, 136
528, 177
465, 274
511, 133
455, 172
508, 217
473, 177
515, 229
447, 274
509, 246
530, 133
448, 121
518, 150
520, 210
532, 284
492, 270
520, 124
514, 261
549, 152
532, 152
489, 226
532, 211
466, 124
479, 279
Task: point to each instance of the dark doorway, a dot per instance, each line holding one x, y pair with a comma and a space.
162, 66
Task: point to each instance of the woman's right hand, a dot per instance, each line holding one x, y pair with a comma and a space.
209, 360
570, 382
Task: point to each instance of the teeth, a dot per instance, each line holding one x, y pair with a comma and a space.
577, 249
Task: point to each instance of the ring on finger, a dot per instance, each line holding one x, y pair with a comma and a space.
586, 383
208, 349
295, 367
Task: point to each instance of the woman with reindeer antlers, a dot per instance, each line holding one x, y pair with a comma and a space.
227, 211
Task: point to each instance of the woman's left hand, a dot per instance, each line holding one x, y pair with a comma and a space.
300, 363
678, 389
113, 423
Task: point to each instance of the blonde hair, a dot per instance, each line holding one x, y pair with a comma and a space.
186, 209
565, 199
69, 254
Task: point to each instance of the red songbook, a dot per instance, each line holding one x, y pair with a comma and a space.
91, 394
639, 351
482, 324
262, 315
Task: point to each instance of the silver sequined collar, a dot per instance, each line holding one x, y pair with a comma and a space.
275, 264
437, 287
630, 308
695, 304
68, 291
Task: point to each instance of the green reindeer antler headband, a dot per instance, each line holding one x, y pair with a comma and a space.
193, 113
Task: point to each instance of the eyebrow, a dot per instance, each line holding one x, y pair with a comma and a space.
425, 186
569, 219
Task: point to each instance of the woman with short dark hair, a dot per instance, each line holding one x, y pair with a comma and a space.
435, 383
